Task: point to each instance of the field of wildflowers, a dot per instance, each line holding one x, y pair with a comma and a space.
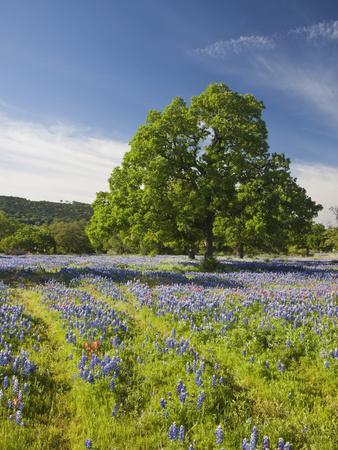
151, 353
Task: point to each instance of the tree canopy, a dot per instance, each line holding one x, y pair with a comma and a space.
7, 225
199, 171
28, 238
70, 237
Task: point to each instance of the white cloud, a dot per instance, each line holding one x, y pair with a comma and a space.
322, 30
243, 43
317, 87
54, 162
321, 183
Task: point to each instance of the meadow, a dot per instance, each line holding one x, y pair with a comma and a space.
151, 353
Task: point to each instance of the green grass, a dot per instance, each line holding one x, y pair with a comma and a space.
64, 410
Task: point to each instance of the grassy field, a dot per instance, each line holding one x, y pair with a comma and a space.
151, 353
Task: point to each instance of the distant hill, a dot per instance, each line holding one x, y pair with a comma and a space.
39, 212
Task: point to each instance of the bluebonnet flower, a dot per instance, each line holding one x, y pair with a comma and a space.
173, 432
18, 417
180, 387
245, 444
253, 438
219, 435
194, 365
163, 403
280, 366
90, 377
88, 443
183, 396
114, 411
198, 381
280, 444
200, 400
265, 443
181, 433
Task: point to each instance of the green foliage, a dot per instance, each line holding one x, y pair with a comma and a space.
28, 239
331, 239
41, 212
7, 225
267, 212
70, 237
102, 225
198, 172
313, 239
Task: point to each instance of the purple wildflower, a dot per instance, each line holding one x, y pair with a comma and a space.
181, 433
219, 435
173, 432
88, 443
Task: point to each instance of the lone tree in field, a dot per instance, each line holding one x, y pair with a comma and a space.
191, 169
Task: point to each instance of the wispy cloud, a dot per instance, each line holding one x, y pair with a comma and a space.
322, 30
54, 162
239, 45
301, 69
319, 31
314, 86
321, 183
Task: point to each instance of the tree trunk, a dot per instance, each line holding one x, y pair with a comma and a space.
191, 253
240, 251
209, 238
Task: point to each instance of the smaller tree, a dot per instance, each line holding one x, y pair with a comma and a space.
7, 225
316, 237
269, 211
101, 230
331, 239
70, 237
28, 239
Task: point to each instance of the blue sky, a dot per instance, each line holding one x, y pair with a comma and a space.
77, 78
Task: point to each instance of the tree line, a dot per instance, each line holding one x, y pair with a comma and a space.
200, 178
57, 237
42, 212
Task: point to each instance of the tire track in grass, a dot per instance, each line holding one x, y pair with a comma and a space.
161, 375
54, 413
